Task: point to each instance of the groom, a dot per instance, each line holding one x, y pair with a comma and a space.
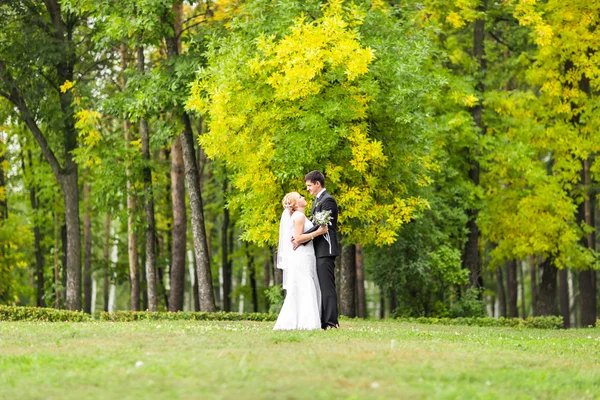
324, 251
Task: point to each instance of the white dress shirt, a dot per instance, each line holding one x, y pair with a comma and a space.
319, 194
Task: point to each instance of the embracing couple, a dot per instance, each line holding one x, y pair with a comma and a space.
306, 254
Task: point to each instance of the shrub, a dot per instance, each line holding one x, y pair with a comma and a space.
469, 305
550, 322
14, 313
125, 316
275, 296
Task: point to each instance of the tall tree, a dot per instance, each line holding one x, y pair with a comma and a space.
361, 302
132, 252
226, 262
43, 47
192, 177
471, 257
87, 256
513, 288
348, 282
500, 292
148, 199
178, 250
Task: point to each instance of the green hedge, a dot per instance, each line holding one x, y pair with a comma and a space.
13, 313
124, 316
550, 322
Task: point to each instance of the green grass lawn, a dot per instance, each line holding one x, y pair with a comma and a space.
364, 359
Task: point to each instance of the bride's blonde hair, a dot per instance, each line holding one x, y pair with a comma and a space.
290, 201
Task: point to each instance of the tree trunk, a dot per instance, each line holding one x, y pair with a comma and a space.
106, 255
252, 278
564, 297
148, 203
132, 255
194, 281
57, 282
39, 266
267, 275
522, 287
547, 295
361, 303
178, 250
534, 291
205, 286
3, 201
393, 301
87, 255
471, 257
500, 293
114, 260
381, 303
37, 241
226, 264
513, 311
73, 268
348, 282
63, 237
587, 278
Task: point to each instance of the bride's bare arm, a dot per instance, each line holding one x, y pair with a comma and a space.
299, 236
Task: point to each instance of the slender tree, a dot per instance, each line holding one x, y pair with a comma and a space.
348, 282
361, 302
178, 250
512, 285
87, 255
60, 33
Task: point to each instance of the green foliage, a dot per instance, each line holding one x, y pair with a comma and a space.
126, 316
551, 322
275, 296
14, 313
468, 305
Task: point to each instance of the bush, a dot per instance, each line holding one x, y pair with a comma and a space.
550, 322
14, 313
469, 305
126, 316
275, 296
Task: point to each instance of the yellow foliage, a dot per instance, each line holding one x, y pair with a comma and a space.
253, 99
66, 86
300, 57
470, 101
87, 122
455, 20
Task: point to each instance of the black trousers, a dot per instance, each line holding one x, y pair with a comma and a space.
329, 308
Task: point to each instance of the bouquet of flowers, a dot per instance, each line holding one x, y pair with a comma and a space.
323, 218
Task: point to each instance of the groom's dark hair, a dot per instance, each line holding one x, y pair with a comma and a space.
314, 177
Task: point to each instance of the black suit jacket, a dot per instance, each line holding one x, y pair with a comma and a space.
326, 202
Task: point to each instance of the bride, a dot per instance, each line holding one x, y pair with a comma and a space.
302, 306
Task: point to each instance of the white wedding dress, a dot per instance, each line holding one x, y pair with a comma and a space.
302, 305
